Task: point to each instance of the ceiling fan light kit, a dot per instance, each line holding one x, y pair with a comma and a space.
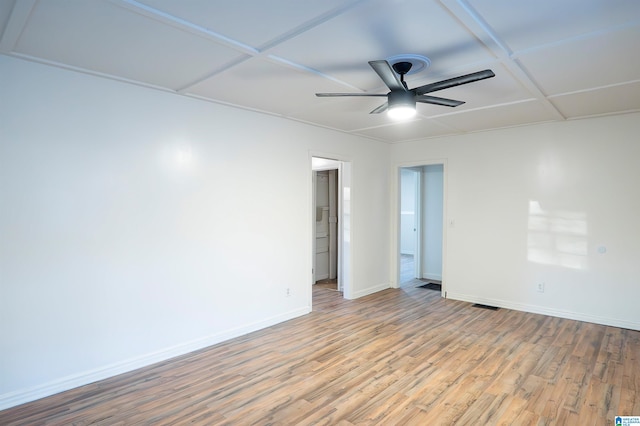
402, 105
401, 101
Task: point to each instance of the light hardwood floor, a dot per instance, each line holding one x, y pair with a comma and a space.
398, 357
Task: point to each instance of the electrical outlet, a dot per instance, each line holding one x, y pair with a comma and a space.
541, 287
288, 292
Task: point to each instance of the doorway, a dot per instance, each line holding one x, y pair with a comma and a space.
326, 235
331, 193
421, 227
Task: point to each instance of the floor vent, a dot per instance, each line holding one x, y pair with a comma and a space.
481, 306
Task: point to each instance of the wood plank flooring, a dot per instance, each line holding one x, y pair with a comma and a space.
398, 357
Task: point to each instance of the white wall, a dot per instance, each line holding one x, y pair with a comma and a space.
136, 225
535, 205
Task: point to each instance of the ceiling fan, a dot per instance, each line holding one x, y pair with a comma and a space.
401, 101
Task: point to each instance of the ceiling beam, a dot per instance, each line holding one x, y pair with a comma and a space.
15, 24
476, 25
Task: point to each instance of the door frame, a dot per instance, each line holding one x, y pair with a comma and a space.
395, 217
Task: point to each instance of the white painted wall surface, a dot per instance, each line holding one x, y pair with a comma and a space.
536, 204
136, 225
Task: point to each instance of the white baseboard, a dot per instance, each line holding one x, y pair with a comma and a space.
434, 277
12, 399
535, 309
370, 290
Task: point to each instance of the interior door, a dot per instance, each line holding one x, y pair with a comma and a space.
432, 222
333, 224
409, 224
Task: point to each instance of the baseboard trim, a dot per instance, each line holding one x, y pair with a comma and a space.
434, 277
368, 291
535, 309
12, 399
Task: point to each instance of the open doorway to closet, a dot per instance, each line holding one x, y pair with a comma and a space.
331, 206
326, 215
421, 214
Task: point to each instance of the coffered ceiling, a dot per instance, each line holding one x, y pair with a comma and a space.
553, 59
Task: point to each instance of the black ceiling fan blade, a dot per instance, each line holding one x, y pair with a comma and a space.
387, 74
381, 108
452, 82
327, 95
438, 101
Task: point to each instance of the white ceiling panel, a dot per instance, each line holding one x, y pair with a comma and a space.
553, 59
609, 58
261, 84
256, 23
406, 131
497, 117
608, 100
347, 114
533, 23
99, 36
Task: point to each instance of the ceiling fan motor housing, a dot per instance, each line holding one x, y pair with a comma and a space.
401, 98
